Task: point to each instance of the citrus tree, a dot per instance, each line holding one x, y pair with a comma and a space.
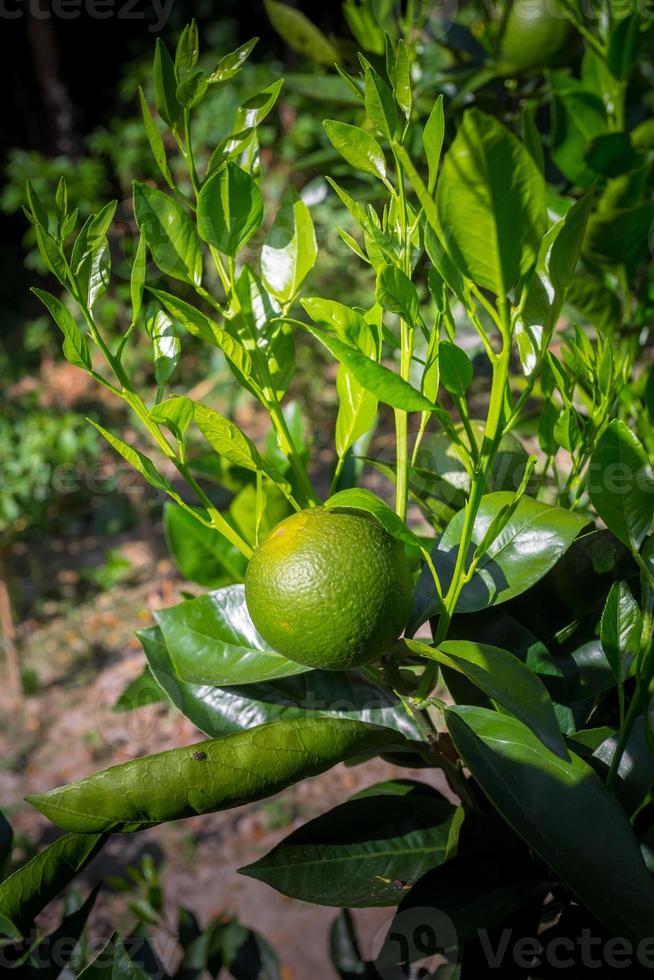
490, 617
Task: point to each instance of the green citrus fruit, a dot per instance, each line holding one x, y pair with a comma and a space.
536, 35
329, 588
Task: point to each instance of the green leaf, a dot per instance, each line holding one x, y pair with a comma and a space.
61, 948
620, 629
300, 34
169, 233
357, 411
155, 140
75, 347
27, 891
387, 386
530, 544
325, 88
200, 325
491, 203
380, 104
201, 554
503, 678
141, 463
351, 694
455, 368
649, 393
358, 148
578, 116
212, 640
624, 45
402, 81
455, 902
432, 141
289, 252
397, 294
165, 86
363, 853
188, 51
208, 776
548, 286
230, 209
231, 63
570, 817
6, 841
137, 278
165, 345
256, 323
224, 710
114, 963
621, 484
176, 414
228, 441
358, 498
141, 690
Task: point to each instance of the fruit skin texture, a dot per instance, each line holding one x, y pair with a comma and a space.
536, 35
329, 588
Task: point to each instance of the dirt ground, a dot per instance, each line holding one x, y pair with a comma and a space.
83, 653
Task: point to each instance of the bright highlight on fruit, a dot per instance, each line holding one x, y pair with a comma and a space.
329, 588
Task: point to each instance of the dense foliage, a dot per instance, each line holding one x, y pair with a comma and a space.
503, 227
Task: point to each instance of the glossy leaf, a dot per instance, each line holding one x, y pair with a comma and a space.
358, 498
363, 853
578, 116
218, 711
380, 104
201, 554
230, 64
198, 324
300, 34
27, 891
491, 203
503, 678
230, 209
357, 147
432, 141
455, 368
402, 80
75, 347
138, 460
475, 890
165, 85
211, 640
571, 816
230, 443
176, 414
387, 386
396, 293
166, 347
530, 544
169, 233
620, 629
289, 252
155, 140
621, 484
208, 776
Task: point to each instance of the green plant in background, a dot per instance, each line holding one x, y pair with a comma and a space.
44, 456
532, 695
